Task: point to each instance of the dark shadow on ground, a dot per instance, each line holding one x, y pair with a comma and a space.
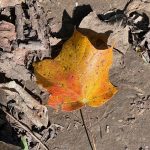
7, 133
98, 40
3, 78
69, 24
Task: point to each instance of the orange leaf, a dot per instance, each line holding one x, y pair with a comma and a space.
79, 75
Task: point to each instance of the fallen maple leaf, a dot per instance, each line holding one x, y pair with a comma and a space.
79, 75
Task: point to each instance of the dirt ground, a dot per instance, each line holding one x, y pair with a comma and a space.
122, 123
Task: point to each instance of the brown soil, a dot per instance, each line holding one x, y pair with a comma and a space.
123, 122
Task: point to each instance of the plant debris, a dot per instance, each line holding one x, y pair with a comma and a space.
27, 36
8, 3
82, 74
24, 38
27, 105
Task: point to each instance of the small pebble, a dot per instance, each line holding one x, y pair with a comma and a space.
76, 4
120, 120
146, 148
107, 128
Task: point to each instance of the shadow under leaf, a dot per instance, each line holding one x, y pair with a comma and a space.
70, 23
98, 40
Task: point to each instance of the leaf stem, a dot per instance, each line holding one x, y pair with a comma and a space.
86, 131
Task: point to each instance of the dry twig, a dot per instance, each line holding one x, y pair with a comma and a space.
26, 129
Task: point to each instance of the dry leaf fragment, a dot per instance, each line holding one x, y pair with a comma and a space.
8, 3
79, 75
7, 35
35, 112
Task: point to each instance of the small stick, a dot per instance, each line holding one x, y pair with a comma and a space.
86, 129
93, 139
26, 129
100, 131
